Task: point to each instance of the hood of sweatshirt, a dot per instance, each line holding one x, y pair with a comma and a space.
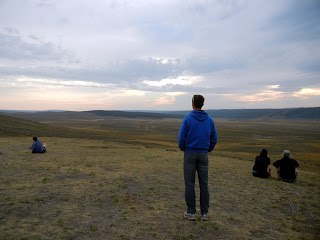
199, 115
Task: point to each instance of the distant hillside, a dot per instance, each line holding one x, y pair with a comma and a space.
135, 114
48, 117
290, 113
53, 116
293, 113
10, 126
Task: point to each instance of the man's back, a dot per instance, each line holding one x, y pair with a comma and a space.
287, 167
261, 164
197, 133
37, 147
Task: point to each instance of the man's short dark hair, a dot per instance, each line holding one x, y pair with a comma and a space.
35, 138
198, 101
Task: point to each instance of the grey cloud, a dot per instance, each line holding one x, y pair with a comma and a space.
46, 3
183, 88
13, 46
206, 64
129, 71
134, 70
224, 43
130, 74
300, 20
147, 69
226, 8
10, 30
297, 84
63, 21
155, 69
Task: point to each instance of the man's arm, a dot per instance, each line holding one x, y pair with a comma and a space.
33, 146
213, 138
182, 135
277, 165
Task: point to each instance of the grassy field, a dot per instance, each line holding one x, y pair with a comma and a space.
123, 179
240, 138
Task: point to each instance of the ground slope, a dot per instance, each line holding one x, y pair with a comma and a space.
97, 189
10, 126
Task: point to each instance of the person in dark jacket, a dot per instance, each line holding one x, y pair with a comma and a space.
197, 137
287, 167
37, 146
261, 165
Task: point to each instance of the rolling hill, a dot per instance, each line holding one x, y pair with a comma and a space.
290, 113
12, 126
286, 113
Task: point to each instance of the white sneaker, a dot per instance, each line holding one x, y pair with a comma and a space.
190, 216
204, 217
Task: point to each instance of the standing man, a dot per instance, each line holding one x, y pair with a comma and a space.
197, 137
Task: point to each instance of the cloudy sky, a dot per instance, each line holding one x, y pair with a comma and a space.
155, 54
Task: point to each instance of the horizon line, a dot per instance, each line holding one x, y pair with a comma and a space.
136, 110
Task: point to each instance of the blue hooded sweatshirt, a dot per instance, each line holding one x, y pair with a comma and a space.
37, 147
197, 133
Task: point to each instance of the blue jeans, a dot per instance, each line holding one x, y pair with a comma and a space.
196, 161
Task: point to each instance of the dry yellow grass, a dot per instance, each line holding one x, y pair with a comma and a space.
242, 138
99, 189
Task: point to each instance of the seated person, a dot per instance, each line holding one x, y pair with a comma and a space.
261, 165
287, 167
37, 146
